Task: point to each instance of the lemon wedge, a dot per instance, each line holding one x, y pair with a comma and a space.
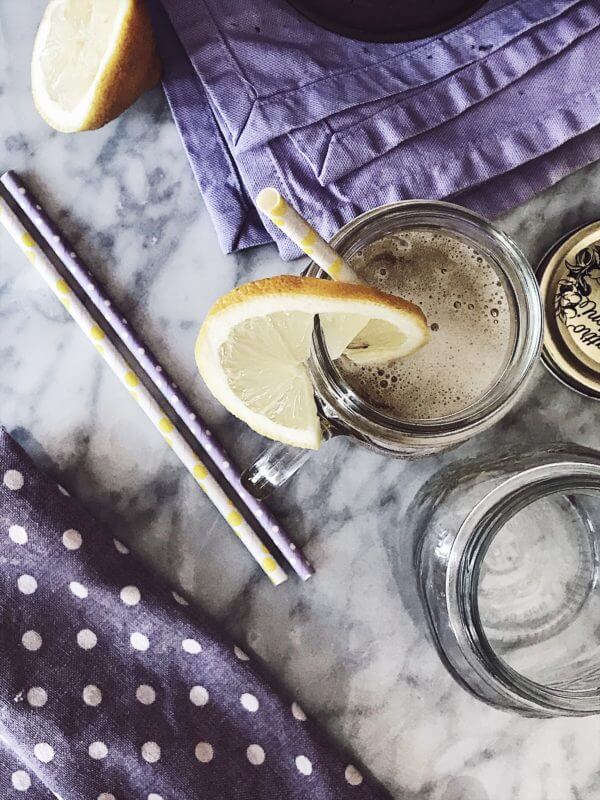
91, 60
253, 346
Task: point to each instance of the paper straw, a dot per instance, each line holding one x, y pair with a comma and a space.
136, 388
277, 209
154, 370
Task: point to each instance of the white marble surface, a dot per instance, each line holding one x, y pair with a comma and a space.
345, 644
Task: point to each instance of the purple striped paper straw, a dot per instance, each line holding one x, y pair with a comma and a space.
161, 379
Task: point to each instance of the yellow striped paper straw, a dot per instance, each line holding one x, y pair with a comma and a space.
137, 390
278, 210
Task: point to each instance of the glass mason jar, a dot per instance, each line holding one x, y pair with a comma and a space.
506, 554
344, 412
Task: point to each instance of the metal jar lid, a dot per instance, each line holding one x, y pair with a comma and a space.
569, 277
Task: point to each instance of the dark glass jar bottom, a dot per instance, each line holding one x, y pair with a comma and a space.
387, 20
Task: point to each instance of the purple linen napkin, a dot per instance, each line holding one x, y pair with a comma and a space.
521, 103
344, 142
112, 689
535, 122
521, 184
236, 220
538, 114
267, 70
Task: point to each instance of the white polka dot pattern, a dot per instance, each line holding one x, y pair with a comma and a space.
198, 695
298, 713
353, 776
130, 595
125, 694
87, 639
255, 754
37, 697
92, 695
27, 584
204, 752
139, 641
31, 640
78, 589
191, 646
18, 534
239, 653
20, 780
13, 479
43, 752
145, 694
249, 702
150, 752
98, 750
179, 599
72, 539
304, 765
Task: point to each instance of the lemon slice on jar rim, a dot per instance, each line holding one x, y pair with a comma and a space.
253, 347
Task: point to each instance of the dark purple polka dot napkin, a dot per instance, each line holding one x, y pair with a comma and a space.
111, 689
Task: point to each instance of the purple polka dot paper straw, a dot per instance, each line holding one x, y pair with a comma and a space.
31, 245
174, 399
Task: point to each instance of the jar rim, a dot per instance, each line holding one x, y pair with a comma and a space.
354, 411
472, 541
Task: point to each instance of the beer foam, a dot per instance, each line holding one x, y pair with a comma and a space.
468, 315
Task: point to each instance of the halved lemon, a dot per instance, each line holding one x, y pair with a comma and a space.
253, 346
91, 60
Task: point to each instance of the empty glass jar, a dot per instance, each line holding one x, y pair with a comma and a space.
507, 559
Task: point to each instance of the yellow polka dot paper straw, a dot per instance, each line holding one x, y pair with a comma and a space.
146, 365
138, 391
278, 210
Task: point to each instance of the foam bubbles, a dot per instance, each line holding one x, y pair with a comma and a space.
467, 312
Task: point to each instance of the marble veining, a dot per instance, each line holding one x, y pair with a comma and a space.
348, 645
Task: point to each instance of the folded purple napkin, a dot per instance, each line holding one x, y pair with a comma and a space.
263, 97
346, 141
267, 70
112, 689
